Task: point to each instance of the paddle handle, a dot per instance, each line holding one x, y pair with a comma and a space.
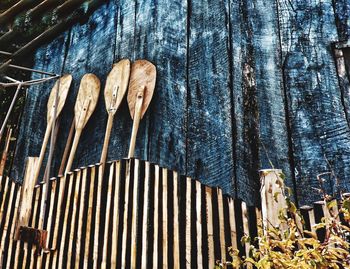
136, 123
66, 149
107, 137
73, 150
42, 151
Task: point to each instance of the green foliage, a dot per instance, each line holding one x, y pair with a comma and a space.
288, 247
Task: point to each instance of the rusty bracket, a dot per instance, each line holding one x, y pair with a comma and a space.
33, 236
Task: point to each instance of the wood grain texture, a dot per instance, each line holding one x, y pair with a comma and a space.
319, 128
164, 42
342, 18
209, 100
240, 84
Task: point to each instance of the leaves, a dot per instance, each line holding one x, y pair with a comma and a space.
287, 247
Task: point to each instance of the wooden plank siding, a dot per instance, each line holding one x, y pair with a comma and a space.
241, 86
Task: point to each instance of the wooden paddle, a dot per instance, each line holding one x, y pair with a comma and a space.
141, 88
62, 85
66, 149
115, 89
87, 98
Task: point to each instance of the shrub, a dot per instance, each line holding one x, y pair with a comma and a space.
288, 247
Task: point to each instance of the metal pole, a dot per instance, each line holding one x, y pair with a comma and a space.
31, 70
10, 109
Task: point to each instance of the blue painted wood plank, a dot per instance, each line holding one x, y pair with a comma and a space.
161, 38
320, 131
209, 122
259, 105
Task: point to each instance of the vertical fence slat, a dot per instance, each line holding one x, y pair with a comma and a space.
165, 217
89, 215
125, 216
6, 224
210, 228
80, 218
36, 213
232, 223
60, 202
222, 225
98, 216
156, 213
108, 213
73, 217
199, 223
115, 228
144, 248
50, 217
176, 223
188, 222
59, 257
134, 214
13, 224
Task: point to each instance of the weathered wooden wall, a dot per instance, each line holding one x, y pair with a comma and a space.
241, 85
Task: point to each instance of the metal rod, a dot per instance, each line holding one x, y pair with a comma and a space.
5, 53
29, 82
10, 109
32, 70
12, 79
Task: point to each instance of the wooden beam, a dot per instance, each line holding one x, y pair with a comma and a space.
26, 195
10, 13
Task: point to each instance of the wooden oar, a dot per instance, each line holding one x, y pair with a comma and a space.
62, 86
115, 89
66, 149
87, 98
141, 88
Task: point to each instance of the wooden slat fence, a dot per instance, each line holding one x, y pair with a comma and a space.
136, 215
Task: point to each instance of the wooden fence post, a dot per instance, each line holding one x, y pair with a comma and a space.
27, 191
272, 197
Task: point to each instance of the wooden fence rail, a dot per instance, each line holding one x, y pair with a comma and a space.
136, 215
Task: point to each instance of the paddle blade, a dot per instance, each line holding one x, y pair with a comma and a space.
63, 85
116, 85
87, 98
143, 75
